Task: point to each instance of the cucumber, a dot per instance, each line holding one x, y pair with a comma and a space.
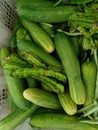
48, 59
70, 62
15, 85
89, 75
42, 98
67, 103
46, 15
39, 36
17, 117
35, 3
59, 121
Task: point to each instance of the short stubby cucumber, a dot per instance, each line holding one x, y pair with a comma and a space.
39, 36
67, 103
42, 98
69, 59
89, 75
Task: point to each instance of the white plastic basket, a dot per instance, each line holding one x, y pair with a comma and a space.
7, 18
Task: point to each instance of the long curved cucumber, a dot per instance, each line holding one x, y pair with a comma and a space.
70, 61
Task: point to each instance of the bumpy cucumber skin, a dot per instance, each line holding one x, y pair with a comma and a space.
71, 66
89, 75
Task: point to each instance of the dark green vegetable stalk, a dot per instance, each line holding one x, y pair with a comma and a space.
17, 117
13, 41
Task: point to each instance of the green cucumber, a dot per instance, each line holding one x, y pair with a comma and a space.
17, 117
35, 3
59, 121
46, 15
89, 75
70, 62
39, 36
67, 103
42, 98
15, 85
48, 59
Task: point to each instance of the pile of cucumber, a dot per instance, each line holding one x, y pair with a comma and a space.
51, 65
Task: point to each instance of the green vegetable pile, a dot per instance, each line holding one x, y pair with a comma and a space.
51, 65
